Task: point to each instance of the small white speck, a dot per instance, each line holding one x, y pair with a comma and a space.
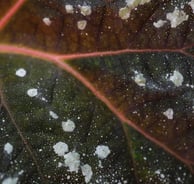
32, 92
176, 17
53, 115
10, 180
8, 148
21, 72
177, 78
85, 10
159, 23
60, 148
81, 25
139, 79
87, 172
145, 158
60, 164
47, 21
21, 172
69, 9
72, 161
68, 126
169, 113
102, 151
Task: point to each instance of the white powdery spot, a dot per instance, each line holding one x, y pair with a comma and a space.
159, 23
8, 148
135, 3
102, 151
10, 180
169, 113
72, 161
60, 148
85, 10
53, 115
47, 21
32, 92
68, 126
177, 78
21, 72
139, 79
81, 25
192, 5
69, 9
87, 172
176, 17
124, 13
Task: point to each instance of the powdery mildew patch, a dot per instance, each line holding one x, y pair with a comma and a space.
159, 23
139, 79
47, 21
87, 172
176, 17
85, 10
177, 78
102, 151
53, 115
21, 72
60, 148
169, 113
124, 12
81, 25
191, 3
32, 92
68, 126
69, 9
10, 180
72, 161
8, 148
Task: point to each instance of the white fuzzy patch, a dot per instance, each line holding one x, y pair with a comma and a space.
8, 148
85, 10
53, 115
177, 78
32, 92
169, 113
60, 148
176, 17
87, 172
159, 23
124, 12
139, 79
72, 161
47, 21
81, 25
68, 126
21, 72
69, 9
10, 180
102, 151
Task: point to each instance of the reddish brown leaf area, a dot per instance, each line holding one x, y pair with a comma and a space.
6, 5
105, 30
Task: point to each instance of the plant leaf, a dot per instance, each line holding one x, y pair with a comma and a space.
142, 73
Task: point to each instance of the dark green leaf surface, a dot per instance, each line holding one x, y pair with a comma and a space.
65, 96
